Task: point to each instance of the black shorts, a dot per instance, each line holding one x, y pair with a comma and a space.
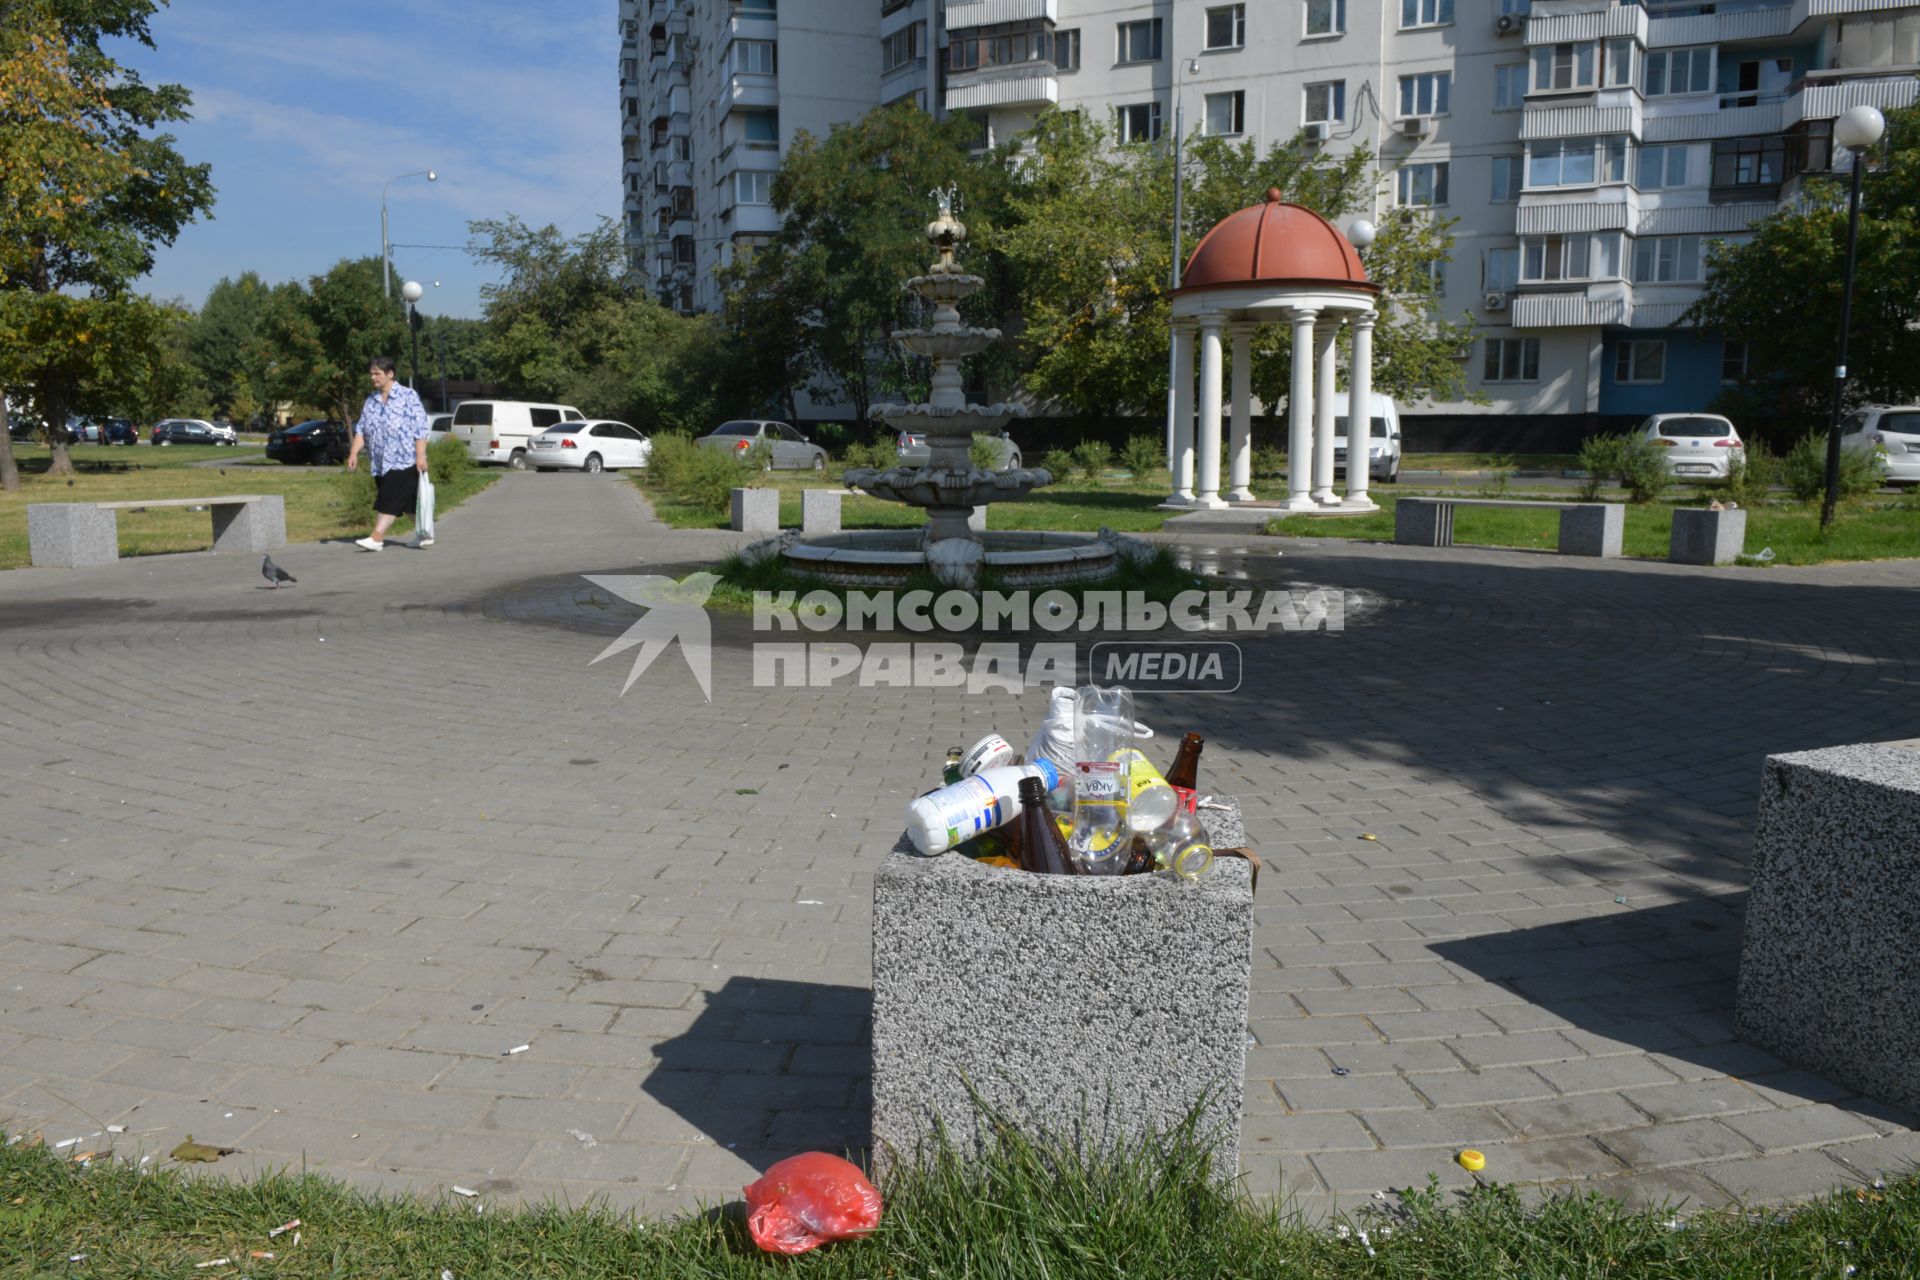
397, 492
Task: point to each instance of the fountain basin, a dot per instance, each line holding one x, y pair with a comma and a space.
946, 288
946, 343
937, 486
947, 420
889, 557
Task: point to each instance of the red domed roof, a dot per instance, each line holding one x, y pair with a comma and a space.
1273, 242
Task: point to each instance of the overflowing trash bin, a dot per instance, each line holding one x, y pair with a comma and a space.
1064, 936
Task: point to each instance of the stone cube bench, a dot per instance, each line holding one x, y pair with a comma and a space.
1091, 1008
820, 510
1702, 535
756, 511
1830, 960
70, 535
1586, 528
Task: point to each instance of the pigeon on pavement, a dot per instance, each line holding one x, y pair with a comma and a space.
273, 573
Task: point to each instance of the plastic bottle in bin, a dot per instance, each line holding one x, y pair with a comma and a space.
941, 819
1150, 799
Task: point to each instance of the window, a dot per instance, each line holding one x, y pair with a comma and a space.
1618, 72
1425, 94
1140, 42
1140, 122
1516, 7
1666, 260
753, 187
1512, 360
761, 126
1421, 184
1502, 270
1640, 360
1733, 361
1510, 86
1507, 174
1425, 13
1749, 162
1227, 27
1066, 49
757, 6
1659, 168
1326, 103
1677, 71
753, 57
1002, 48
1564, 162
1226, 112
1326, 17
1561, 67
1554, 258
900, 48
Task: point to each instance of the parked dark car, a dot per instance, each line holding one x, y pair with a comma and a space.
181, 431
315, 443
118, 431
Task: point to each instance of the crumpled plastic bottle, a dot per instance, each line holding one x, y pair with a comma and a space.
807, 1200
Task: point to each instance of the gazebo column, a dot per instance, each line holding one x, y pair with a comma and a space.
1207, 488
1360, 409
1323, 341
1181, 463
1240, 430
1300, 414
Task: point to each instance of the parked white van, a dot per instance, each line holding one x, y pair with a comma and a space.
497, 431
1383, 439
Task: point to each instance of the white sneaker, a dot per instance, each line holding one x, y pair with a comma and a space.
368, 544
421, 540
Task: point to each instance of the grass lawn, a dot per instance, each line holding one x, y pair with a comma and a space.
1120, 501
1013, 1214
314, 507
1874, 529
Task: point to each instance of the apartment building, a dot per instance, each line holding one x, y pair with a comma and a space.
1588, 149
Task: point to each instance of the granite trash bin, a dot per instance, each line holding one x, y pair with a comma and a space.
1094, 1009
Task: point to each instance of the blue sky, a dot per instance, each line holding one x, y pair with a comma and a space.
305, 110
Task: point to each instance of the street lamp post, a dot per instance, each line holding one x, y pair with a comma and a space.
386, 254
1857, 129
411, 291
1192, 67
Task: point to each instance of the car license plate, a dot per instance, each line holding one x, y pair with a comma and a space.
1693, 470
543, 444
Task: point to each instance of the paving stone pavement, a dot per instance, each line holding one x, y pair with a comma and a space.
295, 870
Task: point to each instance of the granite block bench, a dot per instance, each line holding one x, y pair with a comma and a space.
69, 535
1586, 528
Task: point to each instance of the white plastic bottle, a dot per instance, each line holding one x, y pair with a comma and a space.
939, 820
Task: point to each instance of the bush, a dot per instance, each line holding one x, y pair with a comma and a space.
447, 461
1600, 459
758, 458
1643, 469
1092, 458
671, 459
870, 453
1751, 472
1269, 461
1143, 455
1804, 470
984, 451
354, 494
1059, 462
702, 478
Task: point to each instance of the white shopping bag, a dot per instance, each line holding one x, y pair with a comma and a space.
423, 515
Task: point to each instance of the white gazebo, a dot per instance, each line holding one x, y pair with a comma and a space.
1272, 263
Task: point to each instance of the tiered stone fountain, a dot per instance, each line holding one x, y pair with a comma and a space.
949, 485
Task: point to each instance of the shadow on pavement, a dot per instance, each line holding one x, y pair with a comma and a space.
771, 1068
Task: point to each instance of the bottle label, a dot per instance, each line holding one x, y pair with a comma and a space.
1100, 781
967, 808
988, 753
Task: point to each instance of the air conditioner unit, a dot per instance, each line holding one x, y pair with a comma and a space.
1416, 126
1495, 302
1510, 24
1315, 131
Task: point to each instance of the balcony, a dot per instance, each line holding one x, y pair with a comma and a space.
1028, 84
1586, 120
755, 219
1541, 306
981, 13
751, 89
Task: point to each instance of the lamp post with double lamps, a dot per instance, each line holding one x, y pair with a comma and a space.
386, 253
411, 291
1857, 129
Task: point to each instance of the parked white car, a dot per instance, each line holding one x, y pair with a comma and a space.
1383, 438
593, 445
1894, 430
498, 431
1700, 446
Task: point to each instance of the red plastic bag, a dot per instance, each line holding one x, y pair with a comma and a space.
806, 1200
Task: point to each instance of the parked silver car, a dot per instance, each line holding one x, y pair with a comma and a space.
1893, 432
787, 448
915, 452
1698, 445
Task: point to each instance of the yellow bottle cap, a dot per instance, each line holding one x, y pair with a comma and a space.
1472, 1161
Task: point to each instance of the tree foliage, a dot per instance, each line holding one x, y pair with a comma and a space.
1779, 292
88, 189
322, 337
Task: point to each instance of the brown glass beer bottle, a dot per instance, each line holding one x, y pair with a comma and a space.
1041, 847
1186, 763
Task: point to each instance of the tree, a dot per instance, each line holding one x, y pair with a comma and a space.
87, 192
855, 206
1092, 241
1779, 292
326, 335
227, 343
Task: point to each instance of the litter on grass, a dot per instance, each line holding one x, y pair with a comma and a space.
464, 1191
283, 1228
